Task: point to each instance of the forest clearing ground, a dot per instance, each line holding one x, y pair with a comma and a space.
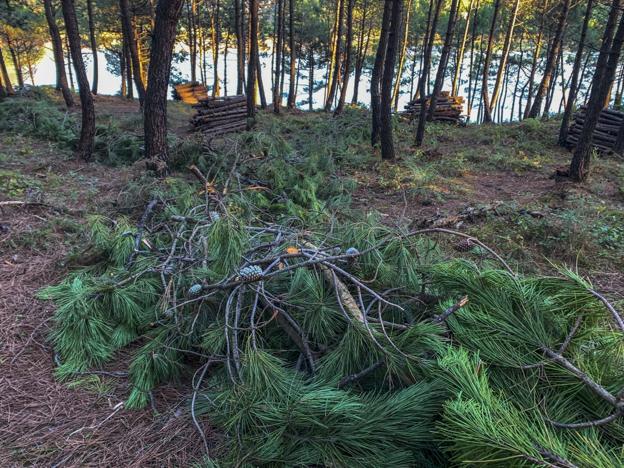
47, 422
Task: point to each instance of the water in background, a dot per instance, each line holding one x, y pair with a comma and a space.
110, 84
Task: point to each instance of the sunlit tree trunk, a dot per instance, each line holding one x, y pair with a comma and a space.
57, 52
5, 75
485, 92
444, 56
460, 52
362, 50
551, 60
422, 83
87, 129
348, 58
93, 44
215, 22
397, 83
504, 57
128, 32
279, 37
335, 74
293, 76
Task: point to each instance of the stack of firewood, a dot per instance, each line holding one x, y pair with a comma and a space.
217, 116
606, 131
448, 108
191, 93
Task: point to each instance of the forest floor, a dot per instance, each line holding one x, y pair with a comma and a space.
493, 182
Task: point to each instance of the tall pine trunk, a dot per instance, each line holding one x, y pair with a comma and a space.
424, 74
606, 64
5, 75
279, 48
155, 115
362, 51
402, 56
485, 92
387, 144
576, 69
240, 46
376, 76
252, 66
128, 33
551, 61
348, 58
292, 88
93, 44
57, 51
503, 61
444, 56
87, 129
460, 52
335, 72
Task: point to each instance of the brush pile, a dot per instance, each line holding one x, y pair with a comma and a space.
448, 108
606, 131
218, 116
190, 93
316, 340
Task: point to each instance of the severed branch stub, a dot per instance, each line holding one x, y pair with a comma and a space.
451, 310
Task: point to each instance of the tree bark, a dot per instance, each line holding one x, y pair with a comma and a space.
380, 57
57, 50
551, 61
93, 44
16, 64
605, 68
338, 54
128, 32
387, 144
460, 52
277, 96
240, 47
503, 61
292, 88
485, 93
576, 69
348, 58
155, 111
252, 70
397, 83
87, 129
216, 39
444, 56
5, 75
363, 43
422, 83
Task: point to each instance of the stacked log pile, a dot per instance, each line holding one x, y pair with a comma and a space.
217, 116
448, 108
605, 133
191, 93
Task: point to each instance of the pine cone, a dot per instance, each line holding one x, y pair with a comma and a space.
250, 273
465, 245
195, 290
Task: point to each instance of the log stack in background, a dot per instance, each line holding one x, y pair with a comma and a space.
448, 108
190, 93
606, 131
217, 116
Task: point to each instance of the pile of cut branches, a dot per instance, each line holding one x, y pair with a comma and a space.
347, 343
